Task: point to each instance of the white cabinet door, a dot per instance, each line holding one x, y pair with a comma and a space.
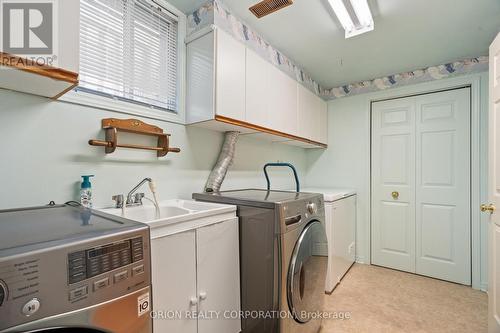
494, 190
443, 185
312, 121
230, 77
323, 121
393, 170
343, 236
306, 112
257, 90
174, 280
200, 99
282, 101
218, 275
315, 118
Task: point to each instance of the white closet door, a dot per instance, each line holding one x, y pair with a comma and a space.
421, 185
494, 189
393, 170
443, 186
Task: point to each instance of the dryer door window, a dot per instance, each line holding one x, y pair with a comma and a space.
307, 275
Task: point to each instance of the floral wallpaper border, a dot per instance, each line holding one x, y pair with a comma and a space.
214, 12
466, 66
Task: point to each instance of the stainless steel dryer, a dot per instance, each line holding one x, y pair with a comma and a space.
282, 274
304, 266
70, 269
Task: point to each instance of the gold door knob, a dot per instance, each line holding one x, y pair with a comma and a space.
395, 195
488, 208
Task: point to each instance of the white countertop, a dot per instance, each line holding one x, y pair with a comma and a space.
330, 194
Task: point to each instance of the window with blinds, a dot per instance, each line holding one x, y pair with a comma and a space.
128, 51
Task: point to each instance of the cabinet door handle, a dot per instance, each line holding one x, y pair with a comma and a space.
193, 301
203, 296
395, 195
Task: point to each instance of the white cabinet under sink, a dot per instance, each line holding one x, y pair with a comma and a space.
174, 280
195, 264
231, 87
218, 278
197, 271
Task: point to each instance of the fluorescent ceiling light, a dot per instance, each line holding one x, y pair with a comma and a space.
342, 14
363, 16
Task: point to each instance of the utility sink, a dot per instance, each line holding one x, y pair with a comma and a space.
177, 215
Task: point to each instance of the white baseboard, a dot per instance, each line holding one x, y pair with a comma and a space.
361, 260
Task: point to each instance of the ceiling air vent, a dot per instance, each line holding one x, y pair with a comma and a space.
267, 7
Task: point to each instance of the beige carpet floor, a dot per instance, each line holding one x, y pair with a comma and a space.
384, 300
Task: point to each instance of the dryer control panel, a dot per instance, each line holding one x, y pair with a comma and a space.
296, 213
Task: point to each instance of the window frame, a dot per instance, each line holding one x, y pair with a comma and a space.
131, 108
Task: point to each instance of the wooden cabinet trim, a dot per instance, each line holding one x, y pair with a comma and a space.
267, 130
31, 66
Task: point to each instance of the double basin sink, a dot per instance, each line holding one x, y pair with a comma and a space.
173, 212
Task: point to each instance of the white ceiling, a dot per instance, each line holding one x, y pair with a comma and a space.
409, 34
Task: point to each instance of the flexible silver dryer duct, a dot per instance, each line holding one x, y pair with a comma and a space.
225, 160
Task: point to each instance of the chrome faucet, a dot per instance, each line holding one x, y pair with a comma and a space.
133, 199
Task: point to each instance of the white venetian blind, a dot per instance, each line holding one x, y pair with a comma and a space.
128, 51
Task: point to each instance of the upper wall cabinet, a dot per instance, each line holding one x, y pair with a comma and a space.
282, 102
230, 87
312, 115
257, 109
230, 77
45, 65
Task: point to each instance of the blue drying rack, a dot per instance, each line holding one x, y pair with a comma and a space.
297, 183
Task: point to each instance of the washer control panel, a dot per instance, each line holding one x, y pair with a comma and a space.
75, 276
91, 262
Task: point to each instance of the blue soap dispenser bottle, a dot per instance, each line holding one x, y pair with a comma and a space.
86, 192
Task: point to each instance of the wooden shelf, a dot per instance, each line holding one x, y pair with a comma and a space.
112, 126
25, 75
269, 131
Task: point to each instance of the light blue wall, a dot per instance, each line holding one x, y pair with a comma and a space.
346, 162
44, 150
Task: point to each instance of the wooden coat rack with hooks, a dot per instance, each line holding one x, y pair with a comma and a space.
112, 126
